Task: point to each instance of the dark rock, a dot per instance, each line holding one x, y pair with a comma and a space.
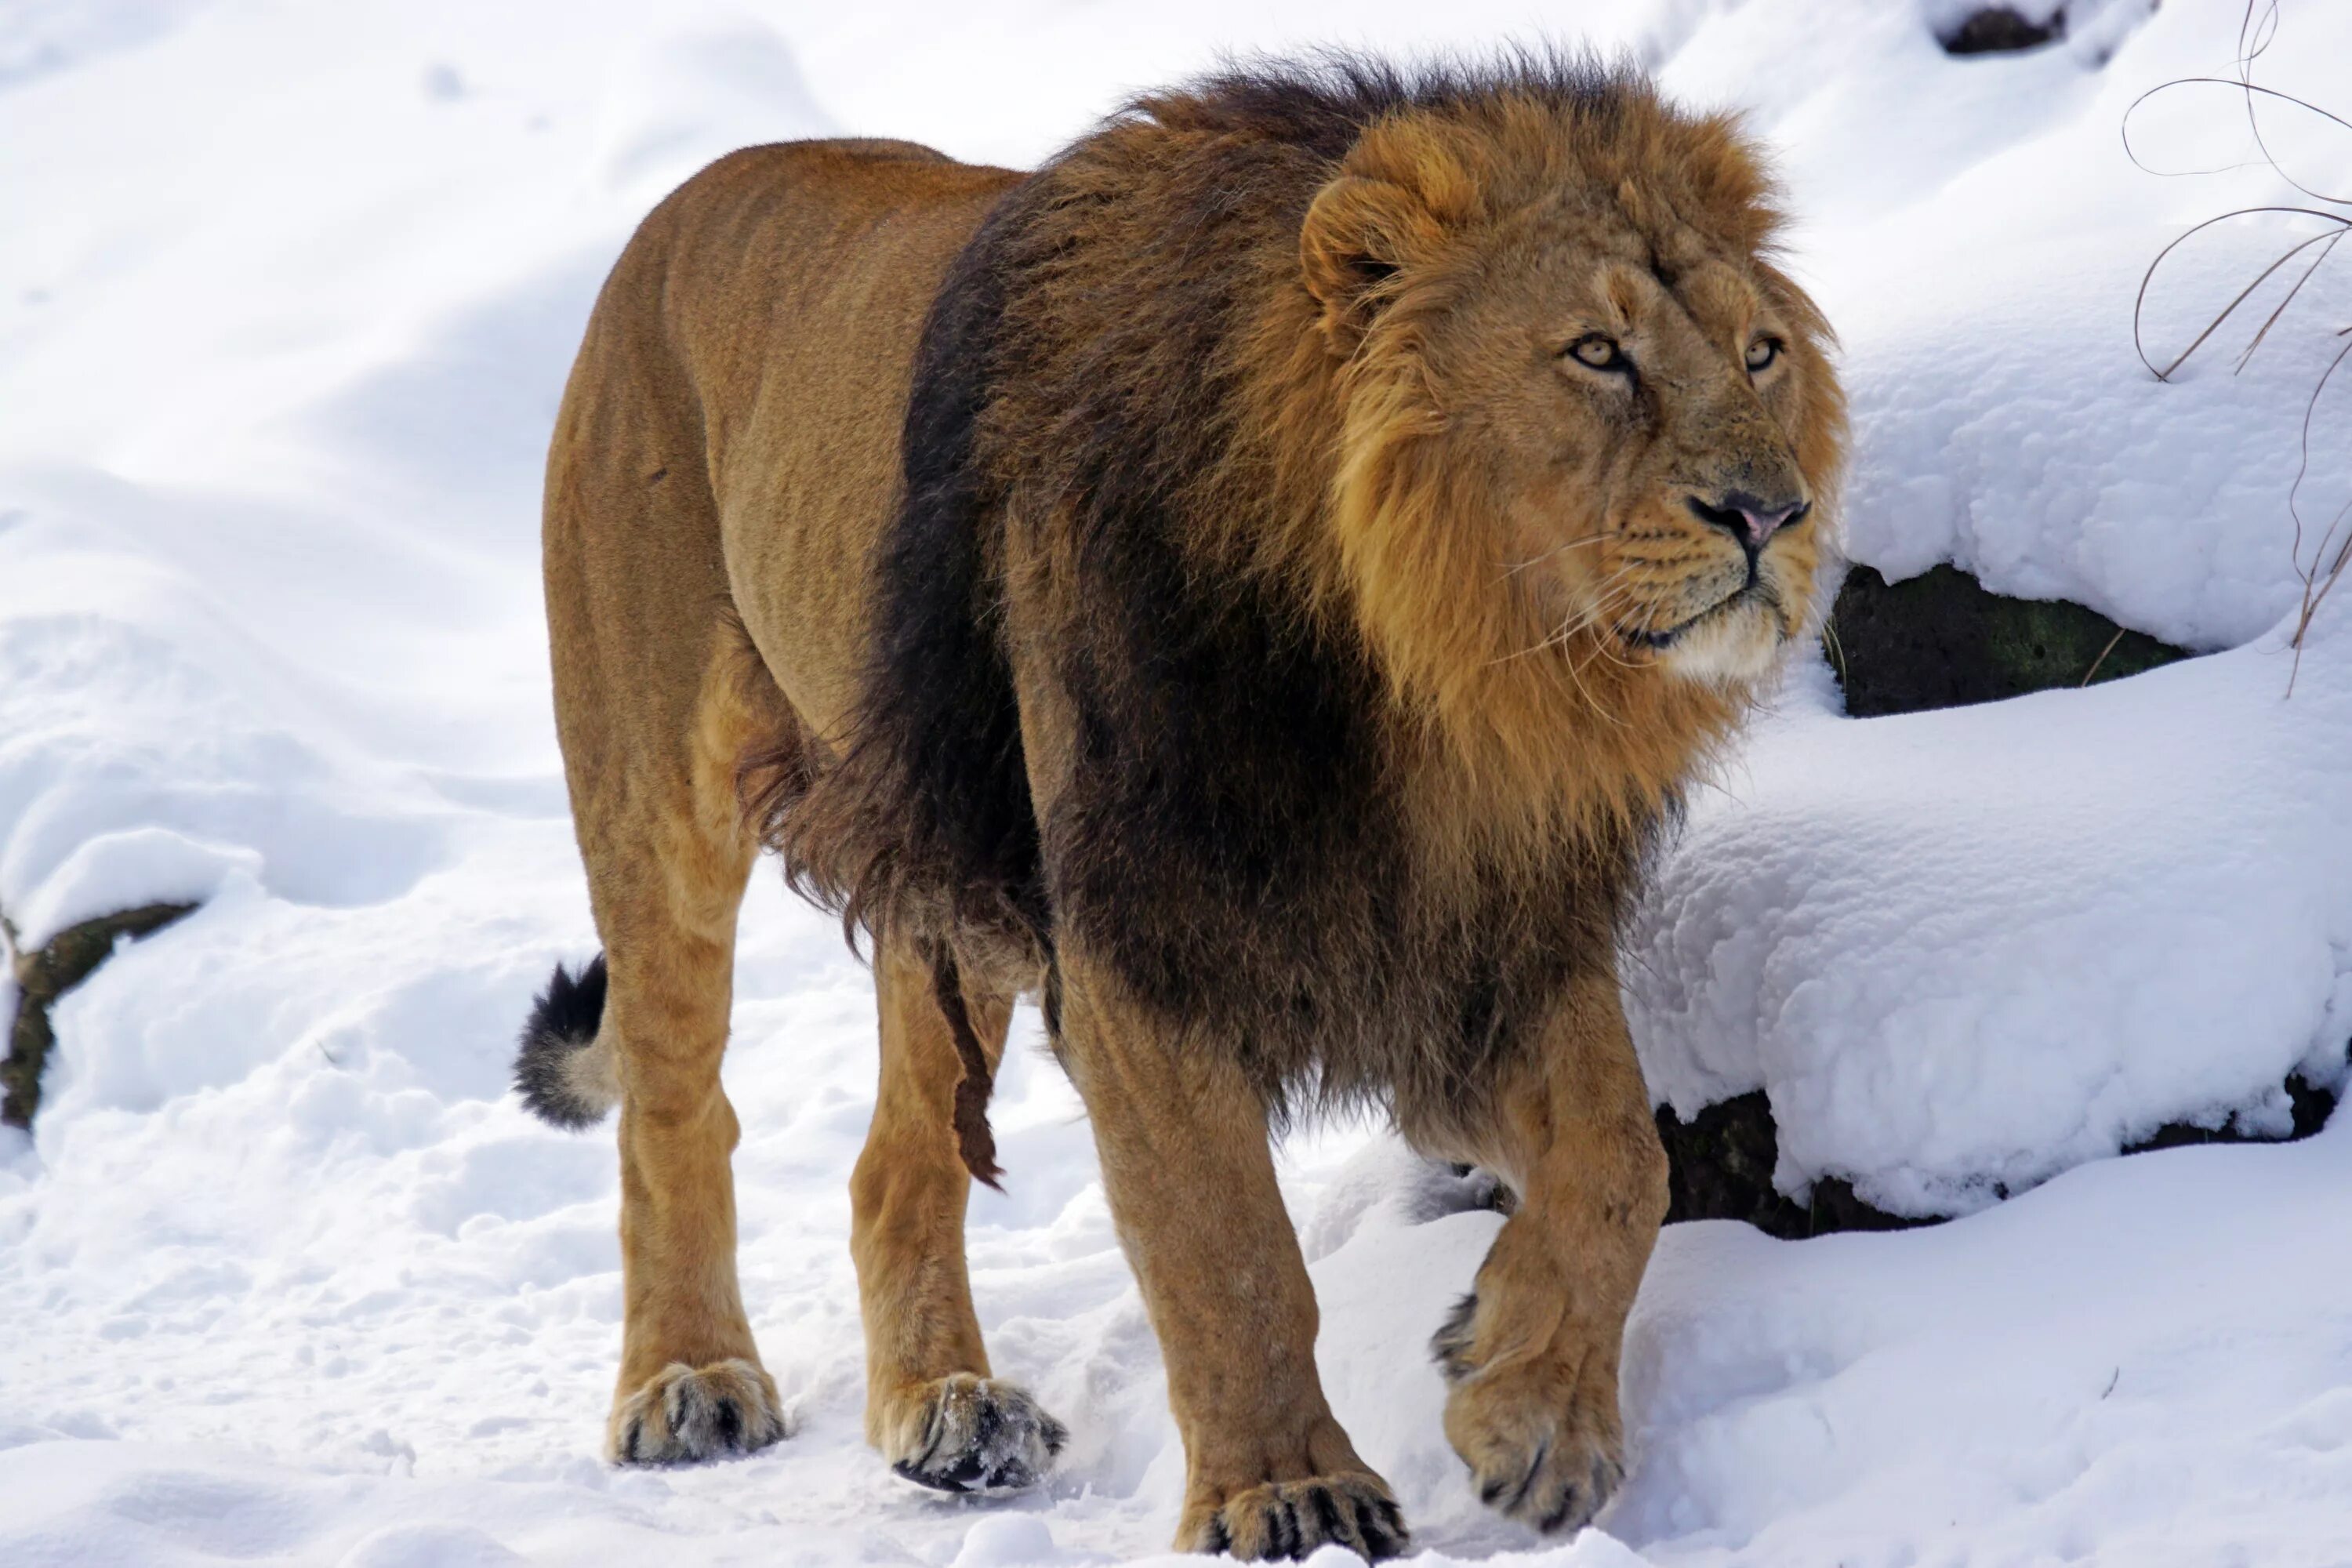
48, 973
1936, 640
2000, 30
2313, 1107
1939, 640
1720, 1165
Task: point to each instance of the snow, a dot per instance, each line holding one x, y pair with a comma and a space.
2071, 958
291, 1277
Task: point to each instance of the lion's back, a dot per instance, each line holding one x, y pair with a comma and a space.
758, 330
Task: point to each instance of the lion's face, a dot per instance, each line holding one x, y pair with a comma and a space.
1636, 423
1621, 408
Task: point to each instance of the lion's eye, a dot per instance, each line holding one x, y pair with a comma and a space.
1599, 353
1761, 354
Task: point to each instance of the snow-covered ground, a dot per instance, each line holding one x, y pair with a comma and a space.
287, 294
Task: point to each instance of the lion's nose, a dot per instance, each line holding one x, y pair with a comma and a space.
1748, 518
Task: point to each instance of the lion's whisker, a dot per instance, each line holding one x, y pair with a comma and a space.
1576, 674
1612, 589
1578, 543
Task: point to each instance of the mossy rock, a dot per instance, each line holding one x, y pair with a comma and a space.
1719, 1165
2000, 30
1936, 640
1940, 640
48, 973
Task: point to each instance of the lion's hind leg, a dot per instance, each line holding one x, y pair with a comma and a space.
659, 698
933, 1406
645, 1027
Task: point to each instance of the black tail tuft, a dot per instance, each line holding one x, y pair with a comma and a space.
562, 1077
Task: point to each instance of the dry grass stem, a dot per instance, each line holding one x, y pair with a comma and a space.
2258, 29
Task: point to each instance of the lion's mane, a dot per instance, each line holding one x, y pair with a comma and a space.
1310, 808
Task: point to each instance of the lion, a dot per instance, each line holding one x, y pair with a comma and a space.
1258, 585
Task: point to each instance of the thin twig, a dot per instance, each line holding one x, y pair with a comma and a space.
2316, 587
2268, 159
2271, 320
2258, 30
2102, 656
2139, 304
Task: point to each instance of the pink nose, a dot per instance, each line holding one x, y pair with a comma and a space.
1749, 518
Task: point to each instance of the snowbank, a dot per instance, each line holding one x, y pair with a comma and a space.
288, 1272
1964, 951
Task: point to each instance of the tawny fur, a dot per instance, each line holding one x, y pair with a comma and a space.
1195, 582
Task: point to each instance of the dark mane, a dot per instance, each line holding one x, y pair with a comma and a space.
1320, 103
1231, 838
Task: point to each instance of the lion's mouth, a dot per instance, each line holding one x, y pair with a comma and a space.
1668, 637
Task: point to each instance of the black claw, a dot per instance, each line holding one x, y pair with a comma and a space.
976, 1466
1528, 1481
966, 1475
970, 1471
1287, 1541
1329, 1525
907, 1470
1560, 1516
933, 1436
629, 1441
731, 1424
1450, 1346
1383, 1537
987, 1424
1221, 1539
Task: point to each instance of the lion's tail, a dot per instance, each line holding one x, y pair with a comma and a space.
563, 1070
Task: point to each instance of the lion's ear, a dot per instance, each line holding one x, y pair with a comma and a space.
1358, 235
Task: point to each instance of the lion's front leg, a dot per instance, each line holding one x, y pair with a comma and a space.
1532, 1353
1184, 1142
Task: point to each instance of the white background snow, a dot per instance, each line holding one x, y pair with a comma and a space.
287, 294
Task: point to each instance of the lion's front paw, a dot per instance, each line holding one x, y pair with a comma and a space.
687, 1413
969, 1434
1542, 1437
1291, 1518
1539, 1451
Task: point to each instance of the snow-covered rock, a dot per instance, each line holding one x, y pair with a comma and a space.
286, 302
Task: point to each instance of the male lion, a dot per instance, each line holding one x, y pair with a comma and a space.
1258, 582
